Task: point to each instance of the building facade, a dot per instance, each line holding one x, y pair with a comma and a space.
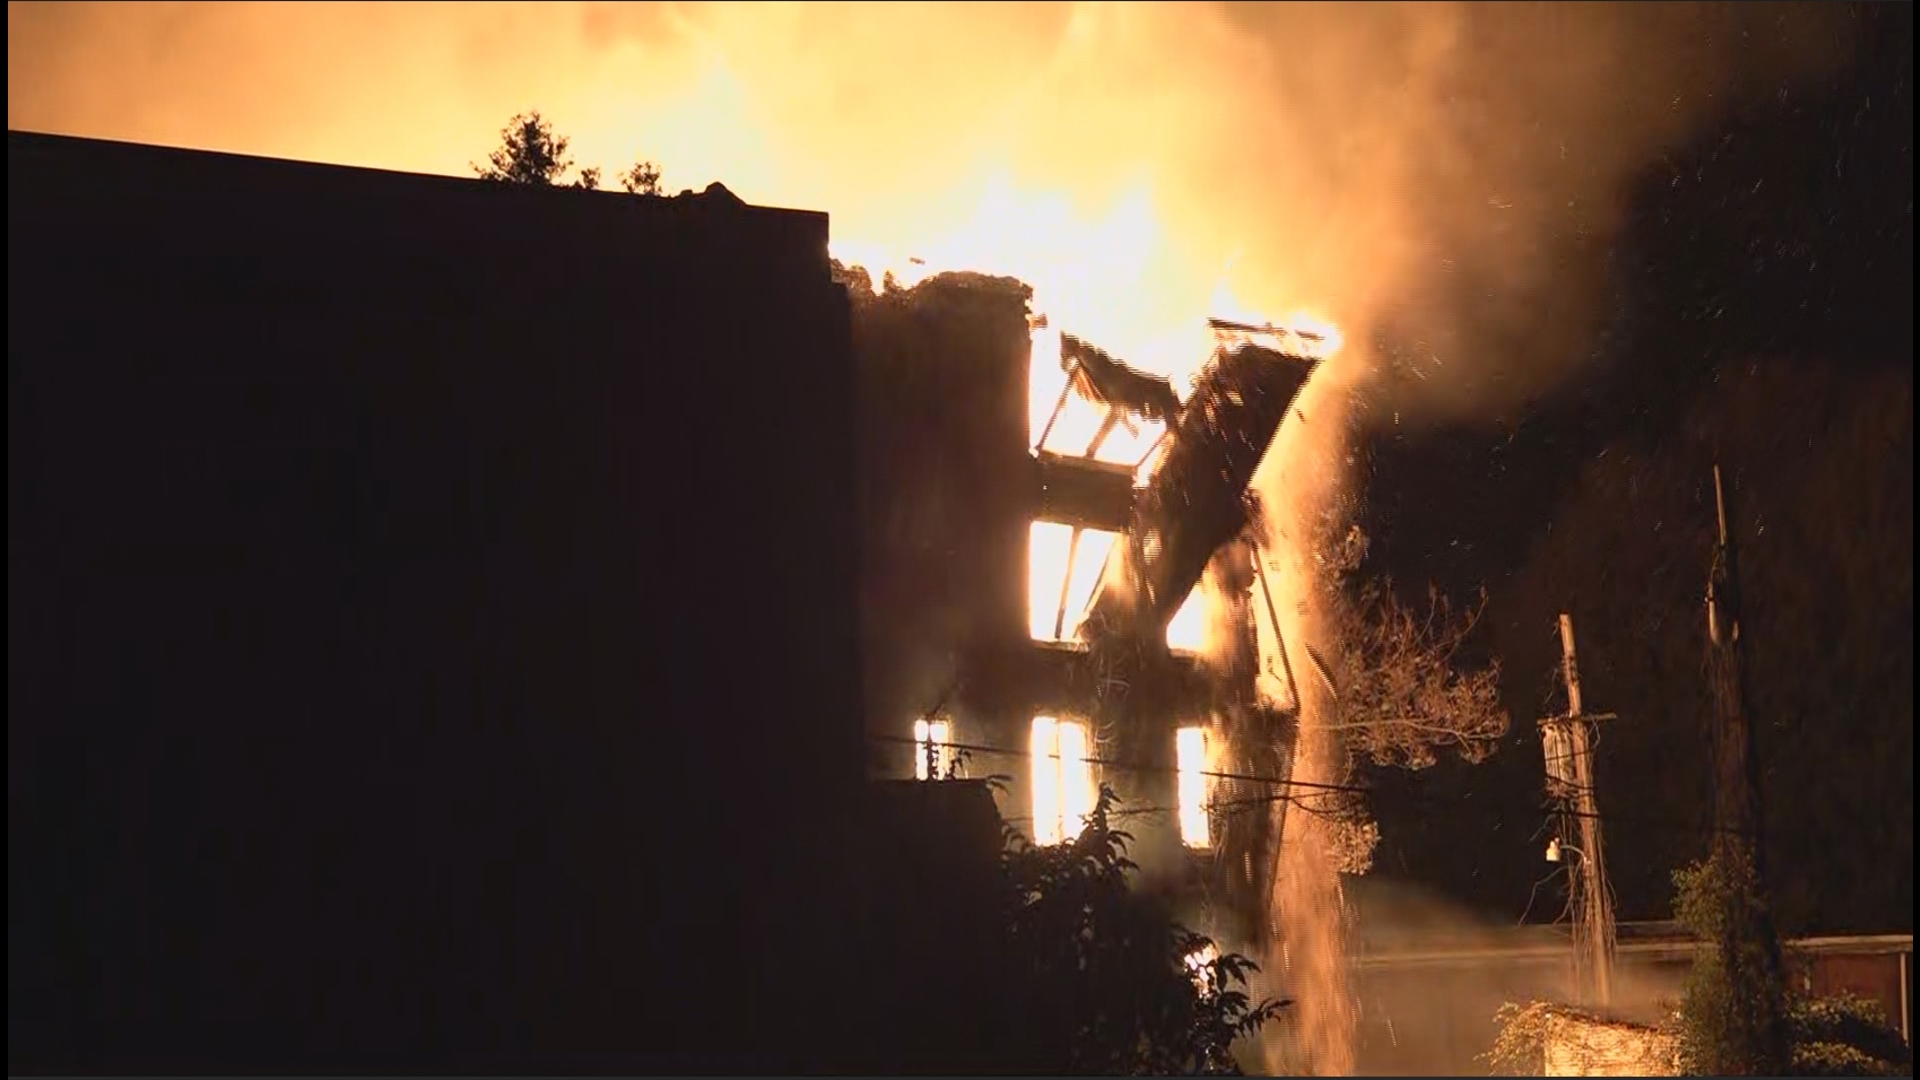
432, 640
1108, 627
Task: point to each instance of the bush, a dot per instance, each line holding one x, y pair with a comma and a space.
1735, 1011
1731, 1019
1520, 1046
1110, 984
1844, 1035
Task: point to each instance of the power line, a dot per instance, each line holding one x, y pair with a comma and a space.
1124, 766
1222, 807
1300, 799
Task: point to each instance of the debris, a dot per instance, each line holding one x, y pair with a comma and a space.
1196, 499
1106, 380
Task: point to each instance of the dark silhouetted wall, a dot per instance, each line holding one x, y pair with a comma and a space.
430, 622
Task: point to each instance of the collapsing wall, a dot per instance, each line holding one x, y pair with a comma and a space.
955, 483
1195, 523
1195, 502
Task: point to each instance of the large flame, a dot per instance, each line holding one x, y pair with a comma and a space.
1101, 273
1187, 630
1190, 746
1063, 789
1102, 278
1112, 277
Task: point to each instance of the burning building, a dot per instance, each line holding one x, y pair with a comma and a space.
1115, 603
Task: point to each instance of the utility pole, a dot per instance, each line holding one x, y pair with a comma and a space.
1736, 791
1568, 742
1748, 946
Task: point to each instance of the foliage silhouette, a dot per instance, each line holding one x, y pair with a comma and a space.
531, 153
1108, 983
1731, 1023
641, 178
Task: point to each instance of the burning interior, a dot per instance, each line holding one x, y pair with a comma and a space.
1145, 612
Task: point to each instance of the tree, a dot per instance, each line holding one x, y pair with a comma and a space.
1827, 576
1402, 683
1110, 985
1844, 1035
531, 153
1404, 693
1398, 673
641, 178
1731, 1018
1735, 1016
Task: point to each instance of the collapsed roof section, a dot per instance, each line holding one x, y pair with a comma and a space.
1120, 386
1196, 499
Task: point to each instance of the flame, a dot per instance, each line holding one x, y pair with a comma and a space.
1055, 560
1066, 423
1200, 966
1113, 278
1190, 746
1303, 331
932, 748
1106, 273
1063, 789
1187, 630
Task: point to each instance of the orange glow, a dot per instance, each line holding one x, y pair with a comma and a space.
1054, 560
1187, 630
1302, 332
1063, 788
1200, 966
932, 746
1078, 422
1190, 745
1105, 271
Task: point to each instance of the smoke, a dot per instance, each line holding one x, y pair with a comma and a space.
1301, 483
1430, 975
1445, 170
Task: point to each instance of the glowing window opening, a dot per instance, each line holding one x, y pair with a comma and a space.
1200, 967
1187, 630
933, 753
1190, 747
1064, 565
1074, 426
1063, 788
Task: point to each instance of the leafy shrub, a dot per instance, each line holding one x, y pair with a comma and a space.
1111, 985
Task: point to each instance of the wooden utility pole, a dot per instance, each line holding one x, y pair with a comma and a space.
1568, 742
1736, 787
1748, 946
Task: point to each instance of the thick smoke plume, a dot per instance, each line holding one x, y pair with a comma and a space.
1446, 170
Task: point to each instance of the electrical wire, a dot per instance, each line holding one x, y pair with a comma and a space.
1308, 788
1125, 766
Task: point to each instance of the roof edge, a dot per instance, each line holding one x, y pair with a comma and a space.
57, 142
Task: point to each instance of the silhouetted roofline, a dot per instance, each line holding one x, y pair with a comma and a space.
408, 235
119, 154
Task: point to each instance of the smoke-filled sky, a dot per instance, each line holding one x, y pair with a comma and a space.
1420, 165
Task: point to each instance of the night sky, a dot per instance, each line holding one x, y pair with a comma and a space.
1760, 310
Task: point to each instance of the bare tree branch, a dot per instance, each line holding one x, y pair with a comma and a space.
1403, 693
